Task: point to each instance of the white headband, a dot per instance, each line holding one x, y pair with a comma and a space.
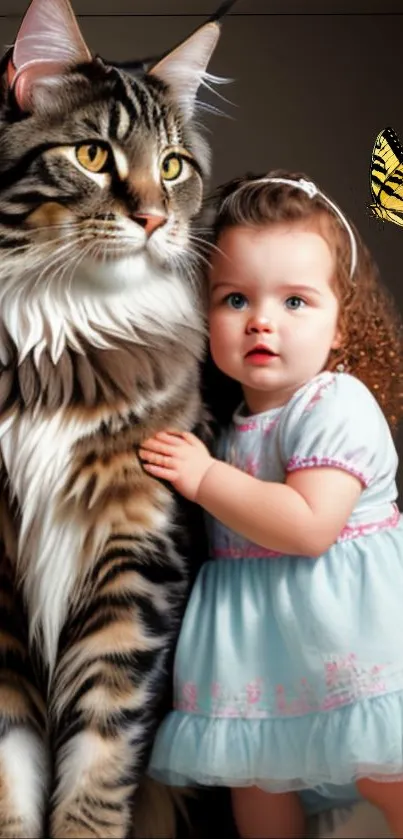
311, 189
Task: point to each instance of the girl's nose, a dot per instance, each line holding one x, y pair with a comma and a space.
259, 324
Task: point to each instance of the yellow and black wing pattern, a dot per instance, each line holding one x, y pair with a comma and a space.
386, 177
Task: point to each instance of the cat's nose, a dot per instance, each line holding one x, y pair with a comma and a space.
150, 221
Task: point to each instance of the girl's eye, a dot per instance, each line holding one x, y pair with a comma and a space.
294, 302
235, 300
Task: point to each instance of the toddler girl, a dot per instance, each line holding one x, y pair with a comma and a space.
289, 666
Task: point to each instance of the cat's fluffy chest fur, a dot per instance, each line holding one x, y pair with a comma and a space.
73, 446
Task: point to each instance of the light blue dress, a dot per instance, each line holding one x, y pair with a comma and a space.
289, 670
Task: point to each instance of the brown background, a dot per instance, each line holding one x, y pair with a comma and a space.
314, 83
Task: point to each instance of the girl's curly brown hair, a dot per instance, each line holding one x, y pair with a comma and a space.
371, 329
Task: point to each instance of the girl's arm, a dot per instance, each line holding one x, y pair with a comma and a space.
303, 516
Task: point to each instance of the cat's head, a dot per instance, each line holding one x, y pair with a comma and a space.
101, 170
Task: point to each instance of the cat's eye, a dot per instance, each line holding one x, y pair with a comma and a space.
92, 156
171, 166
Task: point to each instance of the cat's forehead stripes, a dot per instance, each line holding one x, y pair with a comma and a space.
144, 102
138, 104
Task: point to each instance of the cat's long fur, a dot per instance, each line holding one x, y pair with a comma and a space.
100, 342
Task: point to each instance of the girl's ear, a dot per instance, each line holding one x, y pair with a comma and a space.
48, 44
183, 69
338, 339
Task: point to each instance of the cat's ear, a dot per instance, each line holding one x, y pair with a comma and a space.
48, 43
183, 68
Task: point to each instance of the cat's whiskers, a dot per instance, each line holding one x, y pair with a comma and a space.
39, 252
211, 109
207, 81
183, 263
74, 230
32, 249
201, 126
200, 255
110, 241
108, 234
63, 225
193, 261
208, 245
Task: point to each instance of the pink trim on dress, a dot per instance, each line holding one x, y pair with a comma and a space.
351, 531
297, 462
187, 701
344, 680
248, 426
254, 424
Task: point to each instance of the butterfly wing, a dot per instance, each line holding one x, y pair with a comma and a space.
387, 177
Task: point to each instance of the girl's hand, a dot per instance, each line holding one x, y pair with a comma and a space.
178, 457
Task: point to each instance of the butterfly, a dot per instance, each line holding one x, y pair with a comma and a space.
386, 177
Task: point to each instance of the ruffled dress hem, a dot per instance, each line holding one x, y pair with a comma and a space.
302, 752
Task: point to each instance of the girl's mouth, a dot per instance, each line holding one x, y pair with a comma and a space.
260, 355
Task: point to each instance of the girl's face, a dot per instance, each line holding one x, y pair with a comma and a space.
273, 313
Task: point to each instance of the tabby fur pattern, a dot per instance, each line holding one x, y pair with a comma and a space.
101, 174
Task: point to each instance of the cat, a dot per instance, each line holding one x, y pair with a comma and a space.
101, 337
